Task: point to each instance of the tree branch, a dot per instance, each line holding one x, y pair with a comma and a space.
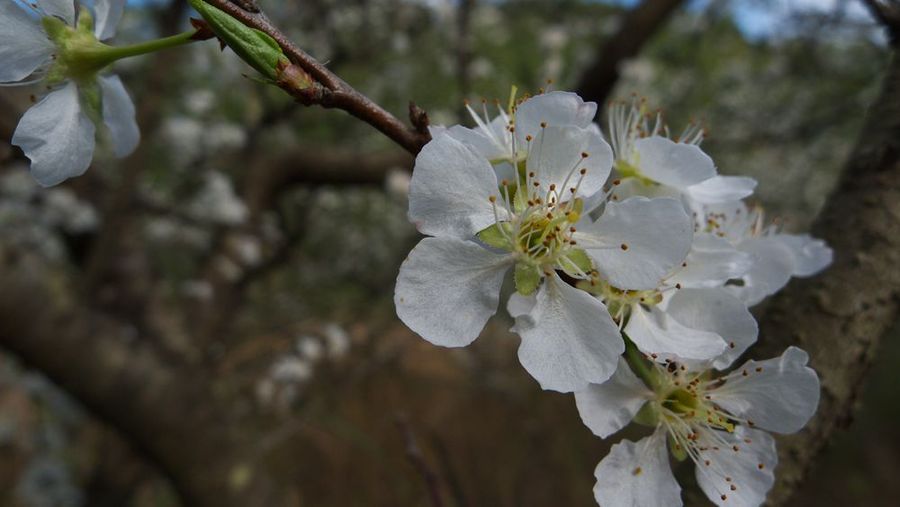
267, 179
312, 167
167, 410
328, 90
638, 26
886, 12
841, 316
417, 459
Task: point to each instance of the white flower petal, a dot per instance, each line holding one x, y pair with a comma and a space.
25, 46
556, 159
107, 14
716, 311
634, 187
568, 338
772, 267
637, 474
657, 332
505, 171
561, 109
450, 189
737, 478
811, 255
674, 164
711, 262
448, 288
608, 407
57, 136
593, 203
721, 189
479, 140
64, 9
779, 394
656, 234
118, 115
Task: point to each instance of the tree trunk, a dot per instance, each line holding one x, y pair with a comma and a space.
841, 315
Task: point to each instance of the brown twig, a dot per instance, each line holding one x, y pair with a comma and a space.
325, 88
414, 453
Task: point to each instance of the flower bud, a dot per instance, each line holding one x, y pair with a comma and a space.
257, 48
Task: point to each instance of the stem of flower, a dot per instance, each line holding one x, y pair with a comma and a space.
114, 53
638, 364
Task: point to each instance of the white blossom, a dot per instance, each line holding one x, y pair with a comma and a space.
778, 256
511, 194
217, 202
337, 340
58, 133
689, 314
650, 163
716, 422
310, 348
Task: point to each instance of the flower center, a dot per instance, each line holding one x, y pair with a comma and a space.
698, 429
545, 234
539, 230
79, 54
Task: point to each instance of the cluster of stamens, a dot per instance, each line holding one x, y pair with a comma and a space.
630, 121
620, 301
543, 232
737, 225
541, 221
694, 422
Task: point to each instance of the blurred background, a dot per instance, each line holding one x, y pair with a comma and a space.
249, 250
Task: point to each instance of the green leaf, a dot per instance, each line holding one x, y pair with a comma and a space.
256, 48
497, 236
528, 277
576, 258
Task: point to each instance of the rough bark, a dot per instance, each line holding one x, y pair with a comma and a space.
840, 316
638, 27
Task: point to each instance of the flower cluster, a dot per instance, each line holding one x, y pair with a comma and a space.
634, 263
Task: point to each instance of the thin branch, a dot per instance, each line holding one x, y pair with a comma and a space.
327, 90
887, 13
165, 409
310, 167
638, 27
414, 453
